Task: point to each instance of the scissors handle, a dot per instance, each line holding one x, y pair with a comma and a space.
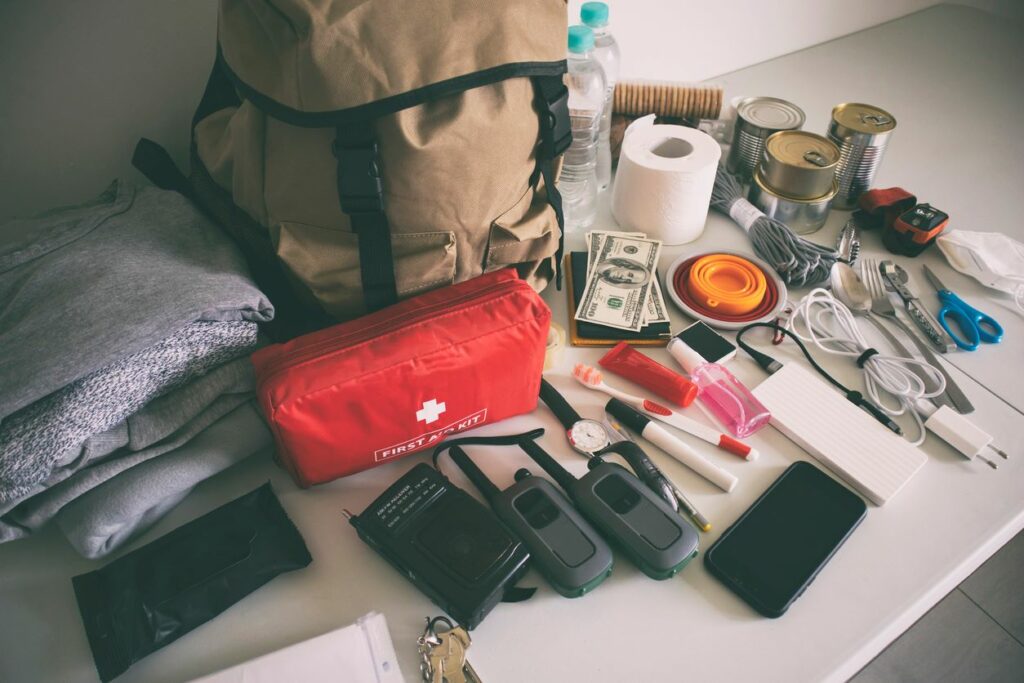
976, 326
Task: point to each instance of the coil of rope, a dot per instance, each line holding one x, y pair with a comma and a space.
798, 261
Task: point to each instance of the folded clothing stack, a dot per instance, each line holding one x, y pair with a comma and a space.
125, 330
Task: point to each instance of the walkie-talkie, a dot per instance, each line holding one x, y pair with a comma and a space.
629, 514
564, 547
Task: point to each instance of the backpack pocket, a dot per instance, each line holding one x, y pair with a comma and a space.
326, 260
526, 237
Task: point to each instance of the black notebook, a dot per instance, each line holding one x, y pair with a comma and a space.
590, 334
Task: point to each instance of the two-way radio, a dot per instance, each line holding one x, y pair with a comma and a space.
629, 514
565, 548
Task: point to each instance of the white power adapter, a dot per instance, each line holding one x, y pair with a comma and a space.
959, 432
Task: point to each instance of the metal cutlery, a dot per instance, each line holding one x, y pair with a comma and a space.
922, 317
882, 306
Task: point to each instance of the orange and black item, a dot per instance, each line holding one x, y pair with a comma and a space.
908, 228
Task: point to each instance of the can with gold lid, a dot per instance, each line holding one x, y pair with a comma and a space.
861, 132
756, 119
799, 164
802, 216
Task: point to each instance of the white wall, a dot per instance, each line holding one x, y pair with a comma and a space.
80, 82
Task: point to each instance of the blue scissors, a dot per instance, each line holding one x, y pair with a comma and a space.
971, 321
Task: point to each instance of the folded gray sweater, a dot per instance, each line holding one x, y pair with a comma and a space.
33, 438
116, 511
83, 287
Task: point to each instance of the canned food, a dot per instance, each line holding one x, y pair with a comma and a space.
862, 132
799, 164
756, 119
803, 216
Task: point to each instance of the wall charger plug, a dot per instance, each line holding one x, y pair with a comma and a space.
966, 437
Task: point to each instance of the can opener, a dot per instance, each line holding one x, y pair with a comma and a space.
897, 278
848, 244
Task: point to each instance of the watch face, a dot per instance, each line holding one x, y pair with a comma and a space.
588, 436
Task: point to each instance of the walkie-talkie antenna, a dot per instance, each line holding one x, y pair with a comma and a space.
474, 473
547, 463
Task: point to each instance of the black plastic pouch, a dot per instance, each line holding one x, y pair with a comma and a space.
154, 595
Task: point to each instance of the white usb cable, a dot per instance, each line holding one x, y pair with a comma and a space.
828, 324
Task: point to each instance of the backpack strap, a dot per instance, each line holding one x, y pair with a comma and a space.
555, 138
219, 93
361, 194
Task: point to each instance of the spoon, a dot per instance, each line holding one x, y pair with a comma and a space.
848, 288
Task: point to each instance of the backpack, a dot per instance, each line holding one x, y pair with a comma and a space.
363, 151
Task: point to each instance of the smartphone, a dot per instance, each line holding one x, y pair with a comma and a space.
713, 347
774, 551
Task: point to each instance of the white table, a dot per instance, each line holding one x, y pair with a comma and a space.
901, 561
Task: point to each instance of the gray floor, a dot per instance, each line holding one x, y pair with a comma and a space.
976, 633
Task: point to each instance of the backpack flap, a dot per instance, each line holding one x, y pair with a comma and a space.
322, 62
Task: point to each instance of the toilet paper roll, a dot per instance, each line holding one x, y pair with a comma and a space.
664, 181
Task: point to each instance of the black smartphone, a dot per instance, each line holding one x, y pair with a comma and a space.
773, 552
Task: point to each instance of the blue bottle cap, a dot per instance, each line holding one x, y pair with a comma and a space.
581, 39
594, 14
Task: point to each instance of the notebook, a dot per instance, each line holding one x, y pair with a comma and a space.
360, 653
869, 457
589, 334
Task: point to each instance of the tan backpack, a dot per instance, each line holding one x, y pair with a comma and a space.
382, 148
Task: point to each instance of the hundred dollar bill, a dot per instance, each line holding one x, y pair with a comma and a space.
620, 282
655, 311
594, 238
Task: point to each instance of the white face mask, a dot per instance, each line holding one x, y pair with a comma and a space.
991, 258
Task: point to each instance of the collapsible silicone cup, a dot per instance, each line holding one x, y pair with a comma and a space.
727, 284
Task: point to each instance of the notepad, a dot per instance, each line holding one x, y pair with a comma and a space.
869, 457
360, 653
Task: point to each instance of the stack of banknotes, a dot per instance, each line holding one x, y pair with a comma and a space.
622, 285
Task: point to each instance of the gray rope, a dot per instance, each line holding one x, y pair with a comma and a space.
799, 262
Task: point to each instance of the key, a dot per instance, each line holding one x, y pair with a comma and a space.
468, 673
452, 651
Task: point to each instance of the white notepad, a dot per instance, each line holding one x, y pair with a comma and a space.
360, 653
815, 416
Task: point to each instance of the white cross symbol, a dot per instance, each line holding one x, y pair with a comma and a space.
430, 411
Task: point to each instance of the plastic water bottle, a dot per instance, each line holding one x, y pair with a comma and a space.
606, 53
585, 81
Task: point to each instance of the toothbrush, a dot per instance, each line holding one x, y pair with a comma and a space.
592, 378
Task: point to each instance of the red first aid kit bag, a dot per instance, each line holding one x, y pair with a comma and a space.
352, 396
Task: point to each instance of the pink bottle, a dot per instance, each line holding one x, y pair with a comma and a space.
726, 397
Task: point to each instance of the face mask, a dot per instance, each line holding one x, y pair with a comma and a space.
991, 258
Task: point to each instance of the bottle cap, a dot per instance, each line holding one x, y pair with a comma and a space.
594, 14
685, 355
581, 39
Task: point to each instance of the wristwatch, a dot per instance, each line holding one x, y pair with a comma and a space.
586, 436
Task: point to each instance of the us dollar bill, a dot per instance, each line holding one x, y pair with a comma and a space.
655, 311
620, 281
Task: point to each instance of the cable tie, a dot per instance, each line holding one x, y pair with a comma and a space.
864, 357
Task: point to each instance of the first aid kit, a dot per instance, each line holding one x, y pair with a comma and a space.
400, 380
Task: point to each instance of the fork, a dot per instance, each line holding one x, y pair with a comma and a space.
882, 306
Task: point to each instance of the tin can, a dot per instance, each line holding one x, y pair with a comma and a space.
799, 164
756, 119
802, 216
861, 131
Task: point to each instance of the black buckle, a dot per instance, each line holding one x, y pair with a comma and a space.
556, 131
359, 185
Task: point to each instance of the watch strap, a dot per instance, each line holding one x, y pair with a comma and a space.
565, 413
